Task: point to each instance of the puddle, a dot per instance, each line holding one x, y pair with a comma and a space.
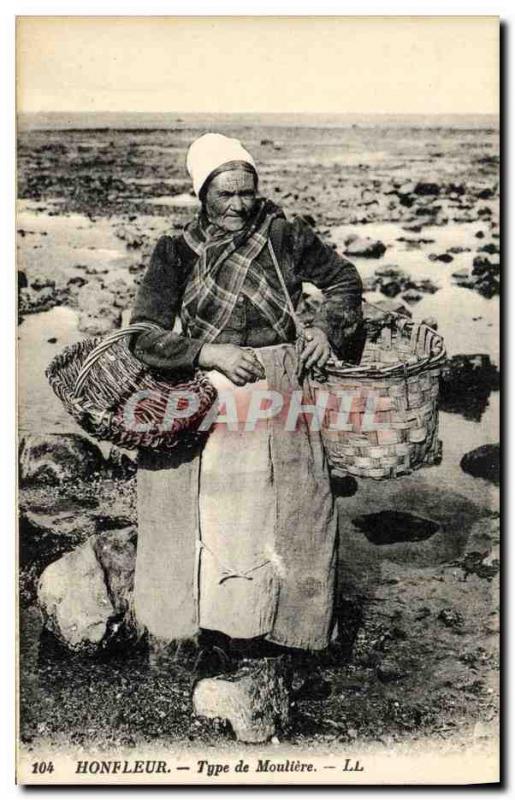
452, 306
72, 241
389, 527
177, 200
39, 409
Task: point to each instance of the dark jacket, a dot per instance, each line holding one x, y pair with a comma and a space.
302, 256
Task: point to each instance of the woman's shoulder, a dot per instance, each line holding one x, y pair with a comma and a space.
296, 233
174, 250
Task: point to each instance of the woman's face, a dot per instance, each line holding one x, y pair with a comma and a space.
230, 198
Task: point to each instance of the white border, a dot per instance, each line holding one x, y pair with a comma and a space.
8, 11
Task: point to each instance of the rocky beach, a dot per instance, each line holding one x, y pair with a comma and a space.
416, 207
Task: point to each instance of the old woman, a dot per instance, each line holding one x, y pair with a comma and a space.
237, 539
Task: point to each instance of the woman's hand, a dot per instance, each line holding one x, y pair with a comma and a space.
316, 350
239, 364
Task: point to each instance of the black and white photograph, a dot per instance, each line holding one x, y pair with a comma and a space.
258, 412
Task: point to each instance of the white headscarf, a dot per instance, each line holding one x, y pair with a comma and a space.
211, 151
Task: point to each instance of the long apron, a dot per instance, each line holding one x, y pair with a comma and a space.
241, 536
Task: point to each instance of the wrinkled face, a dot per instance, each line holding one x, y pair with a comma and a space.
230, 198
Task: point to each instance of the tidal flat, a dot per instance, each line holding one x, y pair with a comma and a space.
417, 648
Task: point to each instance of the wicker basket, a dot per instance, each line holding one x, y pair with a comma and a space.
96, 379
381, 417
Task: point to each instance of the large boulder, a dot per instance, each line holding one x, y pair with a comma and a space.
53, 459
483, 462
85, 596
55, 524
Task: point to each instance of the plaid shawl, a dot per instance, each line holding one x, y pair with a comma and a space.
226, 268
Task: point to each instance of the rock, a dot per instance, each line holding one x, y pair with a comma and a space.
489, 247
94, 269
482, 265
98, 313
73, 598
45, 537
457, 249
445, 258
389, 671
22, 279
488, 287
53, 459
423, 285
42, 282
132, 237
484, 212
119, 465
428, 211
407, 188
389, 527
33, 300
455, 188
485, 194
390, 288
483, 462
116, 553
465, 385
485, 285
413, 227
391, 271
411, 296
431, 322
364, 247
385, 306
464, 278
390, 280
473, 563
416, 242
50, 529
85, 596
254, 700
370, 284
122, 287
451, 618
426, 188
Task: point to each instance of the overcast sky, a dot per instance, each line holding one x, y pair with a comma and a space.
257, 64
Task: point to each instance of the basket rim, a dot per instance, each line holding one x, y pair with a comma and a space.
401, 369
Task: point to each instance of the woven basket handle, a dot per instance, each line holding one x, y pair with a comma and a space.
105, 344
